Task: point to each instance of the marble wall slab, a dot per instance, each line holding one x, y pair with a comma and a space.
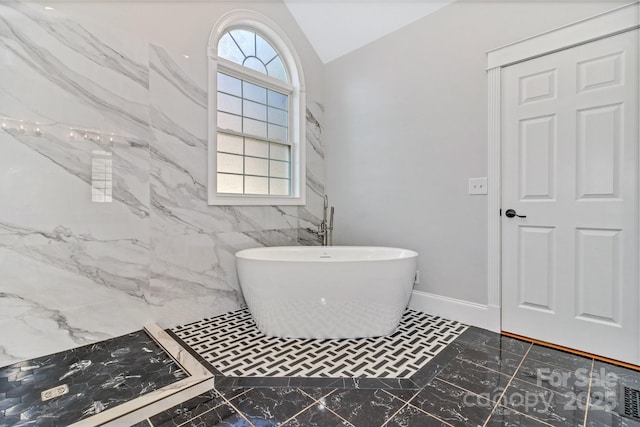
193, 244
309, 216
73, 270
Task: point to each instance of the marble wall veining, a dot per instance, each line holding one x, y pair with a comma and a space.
74, 271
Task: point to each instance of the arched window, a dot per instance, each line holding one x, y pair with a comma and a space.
256, 104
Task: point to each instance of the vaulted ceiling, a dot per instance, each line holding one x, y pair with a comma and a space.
336, 28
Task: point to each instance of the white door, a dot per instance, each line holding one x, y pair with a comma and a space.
570, 165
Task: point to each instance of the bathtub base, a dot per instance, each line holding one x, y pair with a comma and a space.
310, 321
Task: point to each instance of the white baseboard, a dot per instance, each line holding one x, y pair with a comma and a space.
470, 313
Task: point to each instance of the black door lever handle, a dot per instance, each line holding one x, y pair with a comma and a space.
510, 213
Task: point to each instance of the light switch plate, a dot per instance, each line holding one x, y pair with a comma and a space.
477, 185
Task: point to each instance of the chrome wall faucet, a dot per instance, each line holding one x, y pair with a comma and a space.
325, 230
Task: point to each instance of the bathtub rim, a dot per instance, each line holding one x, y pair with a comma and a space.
245, 254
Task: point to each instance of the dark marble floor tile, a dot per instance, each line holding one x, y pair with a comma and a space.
223, 416
317, 416
437, 364
554, 378
477, 379
606, 377
349, 383
544, 405
473, 334
231, 393
558, 358
505, 417
189, 409
490, 357
452, 404
405, 395
316, 392
363, 408
375, 383
99, 376
144, 423
316, 382
9, 421
262, 406
399, 384
262, 382
597, 417
222, 382
504, 343
411, 416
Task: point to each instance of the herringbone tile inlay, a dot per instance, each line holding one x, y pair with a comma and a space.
234, 345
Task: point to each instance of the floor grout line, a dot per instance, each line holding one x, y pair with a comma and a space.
318, 399
237, 410
405, 404
528, 381
463, 389
416, 392
514, 410
553, 364
507, 386
306, 408
586, 407
431, 415
409, 405
316, 402
224, 402
486, 367
201, 414
339, 416
501, 349
497, 403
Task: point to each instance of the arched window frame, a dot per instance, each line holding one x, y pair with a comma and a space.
297, 104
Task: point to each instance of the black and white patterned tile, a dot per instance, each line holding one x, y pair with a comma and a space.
233, 345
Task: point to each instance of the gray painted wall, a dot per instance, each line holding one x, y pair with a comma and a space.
406, 128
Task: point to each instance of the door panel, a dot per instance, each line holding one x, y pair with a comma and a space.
599, 72
597, 262
538, 86
570, 165
537, 160
599, 151
536, 259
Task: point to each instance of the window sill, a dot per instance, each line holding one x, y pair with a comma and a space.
242, 200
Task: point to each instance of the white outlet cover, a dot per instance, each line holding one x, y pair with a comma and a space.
478, 185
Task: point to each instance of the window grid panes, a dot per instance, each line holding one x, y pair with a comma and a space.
250, 50
253, 155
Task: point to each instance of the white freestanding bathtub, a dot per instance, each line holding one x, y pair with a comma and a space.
326, 291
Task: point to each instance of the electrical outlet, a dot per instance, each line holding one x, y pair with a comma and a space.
54, 392
477, 185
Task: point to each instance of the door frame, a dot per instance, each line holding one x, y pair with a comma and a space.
619, 20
